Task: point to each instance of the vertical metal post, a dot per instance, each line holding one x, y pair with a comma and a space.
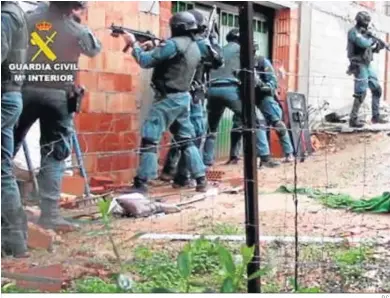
250, 157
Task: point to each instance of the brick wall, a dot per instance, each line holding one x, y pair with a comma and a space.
285, 54
108, 126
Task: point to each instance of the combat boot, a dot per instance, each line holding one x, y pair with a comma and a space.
266, 161
201, 184
14, 234
233, 160
379, 120
51, 219
183, 183
356, 123
166, 177
139, 186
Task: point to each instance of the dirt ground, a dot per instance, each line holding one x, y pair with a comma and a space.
358, 165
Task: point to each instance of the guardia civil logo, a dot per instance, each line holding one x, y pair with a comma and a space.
42, 38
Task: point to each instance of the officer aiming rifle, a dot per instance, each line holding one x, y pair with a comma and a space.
140, 36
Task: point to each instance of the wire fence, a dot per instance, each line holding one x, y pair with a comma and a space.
302, 237
309, 236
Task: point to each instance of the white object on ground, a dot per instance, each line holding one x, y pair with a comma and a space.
115, 208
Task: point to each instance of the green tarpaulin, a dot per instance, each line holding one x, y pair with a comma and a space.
379, 204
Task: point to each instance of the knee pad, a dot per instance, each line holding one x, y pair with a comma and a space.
185, 143
377, 92
148, 146
60, 149
281, 128
360, 97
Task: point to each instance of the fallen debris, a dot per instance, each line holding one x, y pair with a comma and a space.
39, 238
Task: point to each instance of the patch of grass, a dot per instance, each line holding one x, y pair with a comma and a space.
95, 285
227, 229
12, 289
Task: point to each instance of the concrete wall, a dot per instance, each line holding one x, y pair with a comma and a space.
323, 61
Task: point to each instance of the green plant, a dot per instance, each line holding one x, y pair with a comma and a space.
234, 273
227, 229
96, 285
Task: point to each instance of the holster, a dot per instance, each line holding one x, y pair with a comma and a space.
198, 92
353, 69
75, 98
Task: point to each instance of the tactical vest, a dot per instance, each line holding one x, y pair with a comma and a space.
200, 69
176, 74
231, 54
61, 35
356, 53
17, 50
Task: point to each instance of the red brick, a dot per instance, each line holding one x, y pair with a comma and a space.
98, 62
90, 163
73, 185
88, 79
165, 14
114, 62
166, 5
94, 122
122, 103
96, 18
90, 143
110, 142
130, 140
100, 181
126, 123
114, 82
98, 190
116, 162
113, 17
39, 238
122, 122
53, 271
97, 102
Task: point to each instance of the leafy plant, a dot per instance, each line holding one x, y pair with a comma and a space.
96, 285
235, 274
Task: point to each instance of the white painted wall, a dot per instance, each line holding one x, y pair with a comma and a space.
324, 57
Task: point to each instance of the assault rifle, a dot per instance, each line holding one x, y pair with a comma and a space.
139, 35
380, 42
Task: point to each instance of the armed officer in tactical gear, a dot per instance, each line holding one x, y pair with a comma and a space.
48, 97
14, 43
266, 101
174, 62
212, 58
224, 93
361, 48
262, 144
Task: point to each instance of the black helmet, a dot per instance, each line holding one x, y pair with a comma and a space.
233, 35
201, 21
68, 5
183, 22
363, 19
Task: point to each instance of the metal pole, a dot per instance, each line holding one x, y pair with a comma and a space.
250, 157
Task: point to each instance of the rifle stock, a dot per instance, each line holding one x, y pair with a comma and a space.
139, 35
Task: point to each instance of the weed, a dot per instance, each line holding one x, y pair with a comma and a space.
227, 229
96, 285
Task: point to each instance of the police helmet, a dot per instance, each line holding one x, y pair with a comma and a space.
183, 21
363, 18
200, 19
69, 5
233, 35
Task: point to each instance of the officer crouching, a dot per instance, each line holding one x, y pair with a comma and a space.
175, 62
